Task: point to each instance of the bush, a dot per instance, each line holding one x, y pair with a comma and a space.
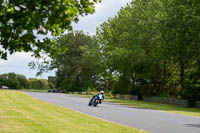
191, 92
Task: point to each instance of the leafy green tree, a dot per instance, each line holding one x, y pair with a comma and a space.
191, 90
151, 45
24, 84
40, 84
127, 44
77, 69
22, 21
17, 81
181, 29
2, 80
52, 80
14, 81
149, 48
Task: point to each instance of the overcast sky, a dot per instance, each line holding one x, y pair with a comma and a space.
18, 62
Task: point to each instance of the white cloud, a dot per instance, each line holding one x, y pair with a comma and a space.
104, 10
18, 62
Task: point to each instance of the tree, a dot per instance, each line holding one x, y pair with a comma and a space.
17, 81
152, 45
129, 45
40, 84
21, 22
14, 81
191, 89
52, 79
77, 69
24, 84
181, 29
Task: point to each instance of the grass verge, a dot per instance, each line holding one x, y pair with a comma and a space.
20, 113
33, 90
154, 106
157, 106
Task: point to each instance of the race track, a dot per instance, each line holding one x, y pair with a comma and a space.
148, 120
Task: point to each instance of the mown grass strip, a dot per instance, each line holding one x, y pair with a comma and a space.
20, 113
33, 90
157, 106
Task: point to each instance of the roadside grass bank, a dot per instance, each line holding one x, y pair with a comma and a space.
150, 105
20, 113
157, 106
33, 90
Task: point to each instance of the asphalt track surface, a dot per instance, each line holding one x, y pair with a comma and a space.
145, 119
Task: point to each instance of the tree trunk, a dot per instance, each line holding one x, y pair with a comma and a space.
182, 75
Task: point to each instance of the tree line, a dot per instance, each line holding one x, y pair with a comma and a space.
153, 46
18, 81
150, 48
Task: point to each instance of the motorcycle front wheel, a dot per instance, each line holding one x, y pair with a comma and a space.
95, 103
90, 103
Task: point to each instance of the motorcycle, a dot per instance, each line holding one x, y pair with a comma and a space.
95, 100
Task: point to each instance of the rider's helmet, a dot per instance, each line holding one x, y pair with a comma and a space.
101, 92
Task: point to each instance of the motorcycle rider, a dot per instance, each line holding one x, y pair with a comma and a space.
97, 99
100, 95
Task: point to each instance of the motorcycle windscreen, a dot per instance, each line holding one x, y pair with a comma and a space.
100, 96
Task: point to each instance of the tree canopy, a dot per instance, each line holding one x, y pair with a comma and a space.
150, 48
22, 21
79, 66
153, 46
17, 81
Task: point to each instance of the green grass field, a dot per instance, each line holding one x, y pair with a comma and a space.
20, 113
154, 106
